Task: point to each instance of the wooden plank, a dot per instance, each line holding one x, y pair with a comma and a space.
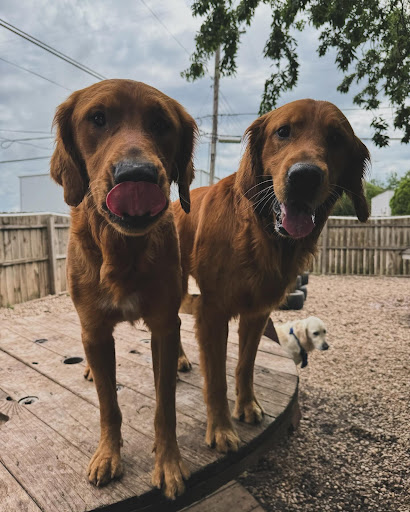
14, 227
137, 399
77, 420
52, 254
70, 379
232, 496
189, 390
22, 261
276, 374
13, 497
51, 468
324, 250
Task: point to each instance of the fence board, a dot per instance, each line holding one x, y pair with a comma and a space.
26, 258
348, 247
345, 247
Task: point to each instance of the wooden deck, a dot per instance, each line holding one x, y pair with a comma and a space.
49, 419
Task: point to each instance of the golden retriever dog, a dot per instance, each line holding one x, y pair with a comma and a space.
249, 236
299, 337
120, 144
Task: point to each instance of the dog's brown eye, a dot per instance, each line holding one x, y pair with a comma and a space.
334, 137
316, 333
160, 126
284, 131
99, 118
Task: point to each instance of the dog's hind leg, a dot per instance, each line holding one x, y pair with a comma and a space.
99, 349
212, 334
184, 364
187, 305
251, 328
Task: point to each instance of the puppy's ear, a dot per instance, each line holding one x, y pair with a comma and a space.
66, 166
353, 179
300, 329
183, 171
252, 159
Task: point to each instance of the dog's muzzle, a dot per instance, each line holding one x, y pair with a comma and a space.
295, 217
136, 200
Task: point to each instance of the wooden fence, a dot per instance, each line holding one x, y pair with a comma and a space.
32, 256
33, 251
346, 246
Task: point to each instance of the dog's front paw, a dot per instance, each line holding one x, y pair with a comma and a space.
224, 439
250, 412
183, 364
169, 475
105, 465
88, 374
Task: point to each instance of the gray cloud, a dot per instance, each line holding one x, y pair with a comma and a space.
124, 40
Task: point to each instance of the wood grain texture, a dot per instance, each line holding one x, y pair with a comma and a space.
57, 433
12, 494
29, 263
232, 497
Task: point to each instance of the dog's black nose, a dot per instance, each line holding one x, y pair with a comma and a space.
303, 181
135, 171
325, 346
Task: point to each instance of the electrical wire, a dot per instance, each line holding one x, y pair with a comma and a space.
25, 159
50, 49
22, 131
34, 73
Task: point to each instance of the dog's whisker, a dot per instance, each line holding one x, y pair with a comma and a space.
245, 194
264, 192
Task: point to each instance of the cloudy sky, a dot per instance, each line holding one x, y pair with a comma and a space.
148, 41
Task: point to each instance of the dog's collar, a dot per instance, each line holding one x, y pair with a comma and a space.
303, 353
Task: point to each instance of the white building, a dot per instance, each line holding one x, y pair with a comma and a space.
39, 193
381, 204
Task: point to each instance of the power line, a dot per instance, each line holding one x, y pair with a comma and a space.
228, 115
34, 73
256, 114
50, 49
6, 143
165, 27
22, 131
182, 46
25, 159
28, 138
225, 135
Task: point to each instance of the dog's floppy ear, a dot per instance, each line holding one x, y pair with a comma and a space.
353, 179
66, 166
253, 166
300, 328
183, 171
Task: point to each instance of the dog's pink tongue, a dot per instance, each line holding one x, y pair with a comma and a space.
136, 198
297, 223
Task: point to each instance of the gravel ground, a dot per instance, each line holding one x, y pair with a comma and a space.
352, 448
351, 451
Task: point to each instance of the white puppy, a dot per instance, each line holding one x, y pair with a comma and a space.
302, 336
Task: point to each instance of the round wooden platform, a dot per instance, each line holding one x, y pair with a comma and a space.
49, 419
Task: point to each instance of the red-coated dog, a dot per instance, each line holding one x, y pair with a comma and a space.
120, 144
249, 236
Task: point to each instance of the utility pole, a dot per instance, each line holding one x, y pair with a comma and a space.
214, 138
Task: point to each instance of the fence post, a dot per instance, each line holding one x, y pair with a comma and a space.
324, 248
52, 254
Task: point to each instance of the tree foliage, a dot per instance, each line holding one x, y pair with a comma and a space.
400, 202
371, 39
344, 205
